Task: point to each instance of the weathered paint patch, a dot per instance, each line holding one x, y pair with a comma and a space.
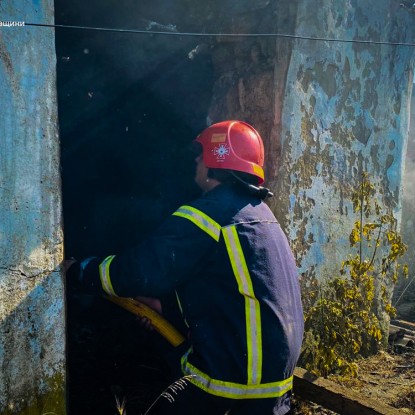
345, 112
32, 325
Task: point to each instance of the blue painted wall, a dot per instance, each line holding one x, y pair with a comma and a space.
346, 110
32, 326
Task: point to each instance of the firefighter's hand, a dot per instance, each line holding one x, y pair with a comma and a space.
153, 303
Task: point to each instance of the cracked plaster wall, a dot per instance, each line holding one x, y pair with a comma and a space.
32, 327
346, 110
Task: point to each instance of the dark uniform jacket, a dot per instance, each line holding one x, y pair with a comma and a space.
235, 276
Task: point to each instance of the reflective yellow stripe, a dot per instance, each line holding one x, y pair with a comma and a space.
235, 390
104, 275
201, 220
252, 308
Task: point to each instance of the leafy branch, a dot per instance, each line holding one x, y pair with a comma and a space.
342, 323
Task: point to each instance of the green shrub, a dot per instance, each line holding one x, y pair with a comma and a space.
343, 319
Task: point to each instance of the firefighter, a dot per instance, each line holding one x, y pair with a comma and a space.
231, 267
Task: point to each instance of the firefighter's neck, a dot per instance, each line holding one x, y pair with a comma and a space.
202, 178
209, 184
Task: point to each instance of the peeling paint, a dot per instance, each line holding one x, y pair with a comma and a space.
32, 315
345, 112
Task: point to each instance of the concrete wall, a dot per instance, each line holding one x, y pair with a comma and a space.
346, 111
32, 326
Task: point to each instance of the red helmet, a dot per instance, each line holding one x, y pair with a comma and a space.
233, 145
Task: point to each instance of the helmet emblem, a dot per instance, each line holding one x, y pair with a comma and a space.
221, 152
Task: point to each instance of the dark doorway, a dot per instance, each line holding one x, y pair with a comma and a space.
129, 106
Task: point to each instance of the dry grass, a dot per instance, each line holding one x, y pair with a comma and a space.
386, 377
407, 399
171, 390
120, 406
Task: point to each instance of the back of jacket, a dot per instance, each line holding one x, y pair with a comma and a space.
242, 302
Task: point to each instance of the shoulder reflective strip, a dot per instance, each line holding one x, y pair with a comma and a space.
235, 390
104, 274
201, 220
252, 308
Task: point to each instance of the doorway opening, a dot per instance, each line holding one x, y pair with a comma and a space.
129, 106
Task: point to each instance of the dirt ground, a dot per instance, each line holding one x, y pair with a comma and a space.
387, 377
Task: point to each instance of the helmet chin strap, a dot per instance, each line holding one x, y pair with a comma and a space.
258, 191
